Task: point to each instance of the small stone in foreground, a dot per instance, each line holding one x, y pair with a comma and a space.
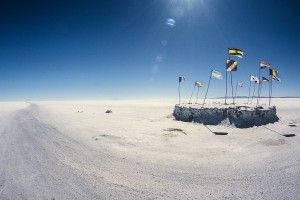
108, 111
220, 133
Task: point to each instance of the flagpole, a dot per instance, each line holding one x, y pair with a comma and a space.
270, 81
259, 86
231, 87
192, 93
253, 93
207, 89
226, 88
197, 95
249, 90
235, 92
179, 91
226, 76
271, 91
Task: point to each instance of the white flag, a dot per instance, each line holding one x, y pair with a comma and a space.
240, 84
254, 78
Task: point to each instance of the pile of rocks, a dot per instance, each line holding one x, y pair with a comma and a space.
239, 116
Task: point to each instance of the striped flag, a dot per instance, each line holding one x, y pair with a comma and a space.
182, 78
217, 75
275, 78
264, 64
264, 79
231, 65
235, 52
199, 84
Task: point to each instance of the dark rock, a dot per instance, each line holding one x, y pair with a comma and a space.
240, 116
108, 111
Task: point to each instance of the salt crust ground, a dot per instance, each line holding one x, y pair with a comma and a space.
74, 150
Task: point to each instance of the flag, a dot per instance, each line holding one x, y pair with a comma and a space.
235, 52
217, 75
240, 84
199, 84
264, 79
231, 65
264, 64
182, 78
275, 78
254, 78
273, 72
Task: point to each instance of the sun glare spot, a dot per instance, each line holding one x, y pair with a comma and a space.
170, 23
179, 8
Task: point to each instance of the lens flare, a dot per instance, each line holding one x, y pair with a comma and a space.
171, 23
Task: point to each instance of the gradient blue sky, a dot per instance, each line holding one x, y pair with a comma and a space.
88, 49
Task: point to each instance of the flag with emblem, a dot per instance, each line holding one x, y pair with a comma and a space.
231, 65
254, 78
273, 72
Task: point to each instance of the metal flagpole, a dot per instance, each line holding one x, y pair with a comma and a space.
226, 87
259, 86
192, 93
249, 90
231, 87
253, 93
207, 88
197, 94
261, 89
226, 77
179, 89
235, 92
270, 89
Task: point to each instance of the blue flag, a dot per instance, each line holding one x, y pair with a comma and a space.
217, 75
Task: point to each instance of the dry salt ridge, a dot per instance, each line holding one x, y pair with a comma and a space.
75, 150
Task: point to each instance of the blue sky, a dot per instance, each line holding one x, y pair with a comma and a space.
71, 49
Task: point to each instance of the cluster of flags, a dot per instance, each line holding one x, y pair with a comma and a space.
272, 72
231, 65
273, 75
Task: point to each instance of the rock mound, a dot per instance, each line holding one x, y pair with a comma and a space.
239, 116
